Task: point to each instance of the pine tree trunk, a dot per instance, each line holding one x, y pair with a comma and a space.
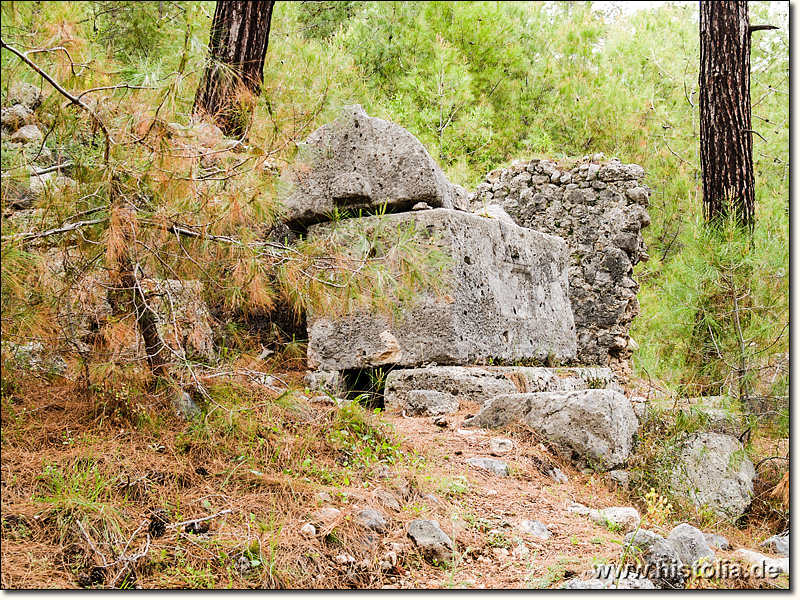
726, 142
233, 77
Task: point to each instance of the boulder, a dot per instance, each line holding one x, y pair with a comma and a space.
661, 561
14, 117
27, 95
691, 545
592, 428
498, 467
360, 162
430, 403
478, 384
616, 518
27, 134
779, 544
767, 566
506, 299
714, 472
717, 541
434, 544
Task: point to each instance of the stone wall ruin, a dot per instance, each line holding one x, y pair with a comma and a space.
360, 163
599, 209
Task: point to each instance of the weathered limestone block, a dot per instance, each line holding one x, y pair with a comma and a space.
715, 473
362, 162
431, 403
507, 300
479, 384
592, 428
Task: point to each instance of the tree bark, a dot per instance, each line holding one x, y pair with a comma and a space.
235, 71
726, 141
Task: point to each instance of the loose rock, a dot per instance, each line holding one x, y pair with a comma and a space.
434, 544
371, 519
717, 541
500, 445
620, 518
535, 528
498, 467
779, 544
690, 544
27, 135
590, 427
769, 566
657, 554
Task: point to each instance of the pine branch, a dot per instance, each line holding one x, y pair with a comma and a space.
73, 99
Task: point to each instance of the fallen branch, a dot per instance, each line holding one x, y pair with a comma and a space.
227, 511
49, 232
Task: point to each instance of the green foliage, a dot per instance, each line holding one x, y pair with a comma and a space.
480, 84
134, 30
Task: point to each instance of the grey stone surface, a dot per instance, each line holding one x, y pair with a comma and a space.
620, 477
478, 384
28, 134
766, 563
622, 518
35, 357
29, 96
535, 528
690, 544
592, 428
325, 515
434, 544
657, 554
14, 117
371, 519
714, 472
500, 445
623, 583
388, 499
430, 403
498, 467
362, 162
40, 183
600, 211
327, 381
717, 541
779, 544
507, 300
184, 405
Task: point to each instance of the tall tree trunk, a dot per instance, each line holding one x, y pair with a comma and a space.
726, 141
235, 71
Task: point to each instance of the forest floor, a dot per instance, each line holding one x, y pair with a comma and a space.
82, 491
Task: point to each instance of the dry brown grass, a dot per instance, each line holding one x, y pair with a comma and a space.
80, 484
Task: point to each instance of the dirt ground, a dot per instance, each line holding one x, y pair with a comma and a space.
79, 493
